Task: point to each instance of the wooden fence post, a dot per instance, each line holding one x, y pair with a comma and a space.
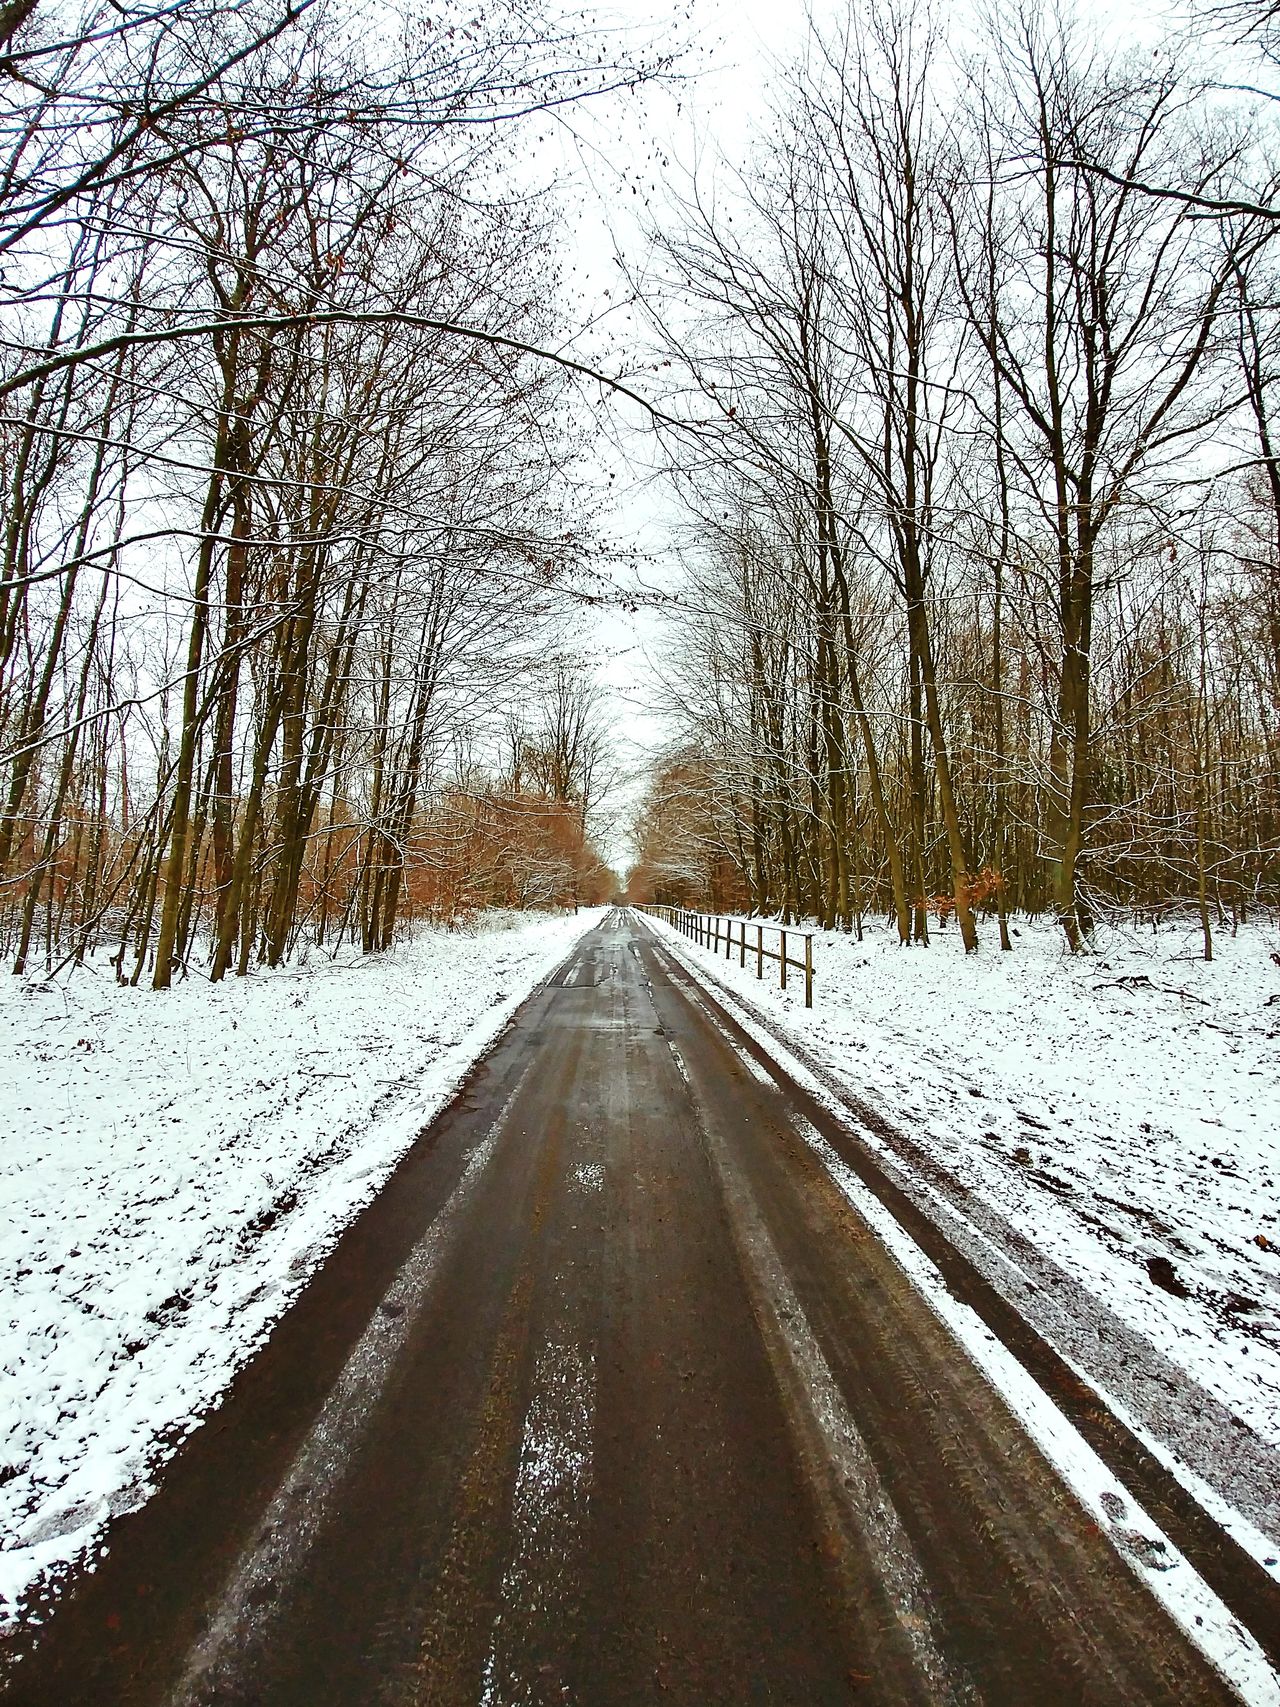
759, 951
808, 970
742, 944
782, 958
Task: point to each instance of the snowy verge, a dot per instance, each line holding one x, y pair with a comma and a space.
1149, 1553
1102, 1137
173, 1167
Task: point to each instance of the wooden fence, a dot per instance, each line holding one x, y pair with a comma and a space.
714, 931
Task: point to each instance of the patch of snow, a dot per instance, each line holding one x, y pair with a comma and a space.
173, 1167
548, 1518
554, 1482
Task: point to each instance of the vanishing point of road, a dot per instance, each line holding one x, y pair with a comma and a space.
609, 1398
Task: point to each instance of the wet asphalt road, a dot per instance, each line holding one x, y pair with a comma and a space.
611, 1398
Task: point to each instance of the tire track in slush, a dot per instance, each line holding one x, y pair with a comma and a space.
550, 1502
293, 1522
843, 1478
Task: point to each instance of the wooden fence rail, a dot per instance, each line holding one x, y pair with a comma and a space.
706, 930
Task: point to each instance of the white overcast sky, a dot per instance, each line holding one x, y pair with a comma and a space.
731, 46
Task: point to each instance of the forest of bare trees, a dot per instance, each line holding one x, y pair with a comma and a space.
983, 554
976, 362
290, 511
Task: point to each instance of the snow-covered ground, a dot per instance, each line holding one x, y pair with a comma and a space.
174, 1165
1102, 1135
